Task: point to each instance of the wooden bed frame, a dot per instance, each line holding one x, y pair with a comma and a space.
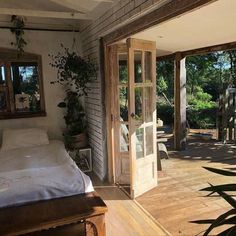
82, 214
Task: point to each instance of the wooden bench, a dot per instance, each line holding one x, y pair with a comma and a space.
82, 214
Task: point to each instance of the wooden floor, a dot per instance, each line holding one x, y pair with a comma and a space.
125, 217
176, 200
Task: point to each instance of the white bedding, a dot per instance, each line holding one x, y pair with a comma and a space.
39, 173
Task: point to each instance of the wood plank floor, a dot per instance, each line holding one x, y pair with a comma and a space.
124, 217
176, 200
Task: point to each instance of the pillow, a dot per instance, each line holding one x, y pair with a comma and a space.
19, 138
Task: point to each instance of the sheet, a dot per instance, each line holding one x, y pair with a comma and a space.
39, 173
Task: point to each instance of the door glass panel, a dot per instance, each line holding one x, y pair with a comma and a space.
124, 138
123, 100
149, 140
137, 66
148, 66
123, 68
139, 143
2, 75
138, 103
148, 100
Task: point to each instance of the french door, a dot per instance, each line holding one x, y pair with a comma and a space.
132, 76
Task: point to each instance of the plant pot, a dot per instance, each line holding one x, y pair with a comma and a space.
80, 140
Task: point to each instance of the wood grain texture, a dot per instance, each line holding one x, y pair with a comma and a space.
177, 200
48, 214
125, 217
166, 12
180, 131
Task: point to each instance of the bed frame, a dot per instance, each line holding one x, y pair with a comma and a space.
82, 214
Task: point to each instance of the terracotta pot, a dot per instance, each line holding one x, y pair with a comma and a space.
80, 140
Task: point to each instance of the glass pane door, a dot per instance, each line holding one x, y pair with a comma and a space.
142, 110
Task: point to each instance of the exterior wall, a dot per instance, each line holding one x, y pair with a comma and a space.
120, 14
42, 43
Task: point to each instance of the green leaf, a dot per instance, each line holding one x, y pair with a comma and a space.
221, 172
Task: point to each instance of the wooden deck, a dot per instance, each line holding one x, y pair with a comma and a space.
124, 216
176, 200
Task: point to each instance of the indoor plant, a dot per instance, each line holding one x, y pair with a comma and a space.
18, 29
73, 73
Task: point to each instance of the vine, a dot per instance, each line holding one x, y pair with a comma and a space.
18, 30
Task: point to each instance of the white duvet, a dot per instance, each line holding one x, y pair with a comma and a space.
39, 173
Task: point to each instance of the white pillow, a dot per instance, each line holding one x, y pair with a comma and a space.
19, 138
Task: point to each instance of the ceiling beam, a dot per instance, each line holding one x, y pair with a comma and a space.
70, 4
201, 51
45, 14
166, 12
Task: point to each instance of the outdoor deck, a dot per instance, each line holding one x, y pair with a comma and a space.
176, 200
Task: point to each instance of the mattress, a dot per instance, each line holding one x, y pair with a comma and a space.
39, 173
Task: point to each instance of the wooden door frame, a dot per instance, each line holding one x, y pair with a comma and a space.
166, 12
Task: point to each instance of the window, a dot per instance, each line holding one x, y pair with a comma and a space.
21, 85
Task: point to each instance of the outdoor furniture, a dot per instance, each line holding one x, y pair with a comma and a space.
161, 149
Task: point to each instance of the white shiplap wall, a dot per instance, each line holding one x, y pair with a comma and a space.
119, 14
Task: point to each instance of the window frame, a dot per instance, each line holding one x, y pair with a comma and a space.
7, 57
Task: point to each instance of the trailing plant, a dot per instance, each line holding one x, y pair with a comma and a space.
74, 118
73, 71
18, 30
228, 218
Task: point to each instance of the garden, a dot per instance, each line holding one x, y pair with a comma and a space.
207, 77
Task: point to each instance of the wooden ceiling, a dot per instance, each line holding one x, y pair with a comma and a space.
207, 26
42, 12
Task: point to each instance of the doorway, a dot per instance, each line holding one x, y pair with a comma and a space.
131, 95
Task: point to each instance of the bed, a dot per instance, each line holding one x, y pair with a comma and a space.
42, 191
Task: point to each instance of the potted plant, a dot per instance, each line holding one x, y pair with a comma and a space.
73, 73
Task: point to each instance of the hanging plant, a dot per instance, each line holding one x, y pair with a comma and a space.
73, 71
18, 30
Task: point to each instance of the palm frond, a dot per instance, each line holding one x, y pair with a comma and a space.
223, 187
221, 172
219, 220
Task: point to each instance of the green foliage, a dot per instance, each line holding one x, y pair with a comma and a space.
228, 219
162, 85
200, 100
165, 77
202, 118
18, 30
73, 70
74, 117
123, 73
73, 73
202, 111
207, 75
165, 112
